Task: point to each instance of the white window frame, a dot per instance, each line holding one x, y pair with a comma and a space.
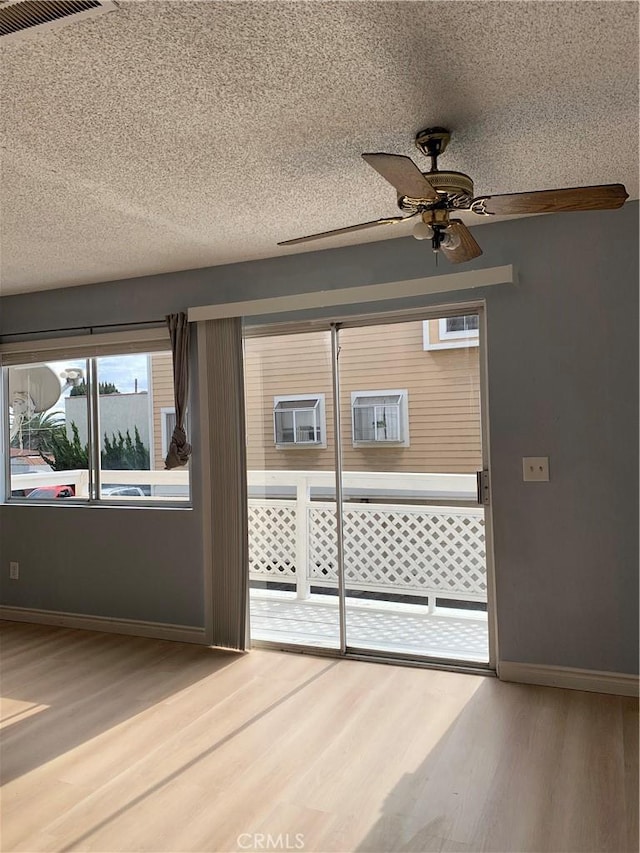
449, 340
321, 422
446, 334
165, 438
403, 418
88, 349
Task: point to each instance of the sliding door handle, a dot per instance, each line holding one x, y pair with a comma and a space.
483, 494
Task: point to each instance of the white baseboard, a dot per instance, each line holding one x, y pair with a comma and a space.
574, 679
133, 627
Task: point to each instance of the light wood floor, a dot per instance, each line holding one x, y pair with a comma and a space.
119, 744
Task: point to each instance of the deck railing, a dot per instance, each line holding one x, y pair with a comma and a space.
409, 534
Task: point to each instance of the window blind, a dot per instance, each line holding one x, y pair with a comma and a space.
84, 346
226, 528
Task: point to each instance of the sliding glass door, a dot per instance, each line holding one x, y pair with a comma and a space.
292, 490
413, 532
364, 442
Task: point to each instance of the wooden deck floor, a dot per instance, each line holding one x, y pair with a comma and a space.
404, 629
114, 743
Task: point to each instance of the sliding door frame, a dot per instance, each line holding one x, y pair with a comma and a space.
373, 318
337, 443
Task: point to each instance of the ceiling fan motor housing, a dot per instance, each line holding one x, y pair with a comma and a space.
455, 190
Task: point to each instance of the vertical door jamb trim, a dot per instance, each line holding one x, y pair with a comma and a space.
483, 365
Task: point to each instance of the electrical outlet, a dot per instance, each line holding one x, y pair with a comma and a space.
535, 469
14, 571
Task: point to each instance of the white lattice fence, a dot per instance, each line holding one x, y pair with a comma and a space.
401, 548
272, 538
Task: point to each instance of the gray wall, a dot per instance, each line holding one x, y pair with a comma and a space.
127, 563
563, 382
118, 413
120, 562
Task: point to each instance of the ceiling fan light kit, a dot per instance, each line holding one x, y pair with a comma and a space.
422, 230
434, 195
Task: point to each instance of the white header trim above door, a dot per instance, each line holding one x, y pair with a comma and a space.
357, 295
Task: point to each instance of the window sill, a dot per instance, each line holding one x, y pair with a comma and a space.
301, 446
466, 342
381, 443
86, 504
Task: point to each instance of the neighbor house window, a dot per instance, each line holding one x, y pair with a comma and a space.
167, 426
380, 417
459, 327
451, 332
298, 421
92, 429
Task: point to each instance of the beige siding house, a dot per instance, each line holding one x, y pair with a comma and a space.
163, 409
433, 372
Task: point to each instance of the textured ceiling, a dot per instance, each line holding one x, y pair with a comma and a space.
175, 135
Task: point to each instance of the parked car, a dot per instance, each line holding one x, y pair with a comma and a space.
123, 492
47, 493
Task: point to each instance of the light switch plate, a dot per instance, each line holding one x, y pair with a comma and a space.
535, 469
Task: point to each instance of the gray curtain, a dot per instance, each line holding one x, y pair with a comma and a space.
179, 448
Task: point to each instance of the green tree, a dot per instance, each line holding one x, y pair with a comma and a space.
103, 388
79, 390
68, 455
124, 453
37, 432
142, 453
120, 452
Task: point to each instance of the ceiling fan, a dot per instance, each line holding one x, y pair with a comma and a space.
434, 195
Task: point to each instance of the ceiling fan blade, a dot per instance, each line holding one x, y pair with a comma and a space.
468, 248
392, 220
602, 197
403, 174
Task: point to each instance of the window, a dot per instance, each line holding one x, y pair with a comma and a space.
168, 424
380, 417
95, 427
451, 332
43, 444
298, 421
459, 327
